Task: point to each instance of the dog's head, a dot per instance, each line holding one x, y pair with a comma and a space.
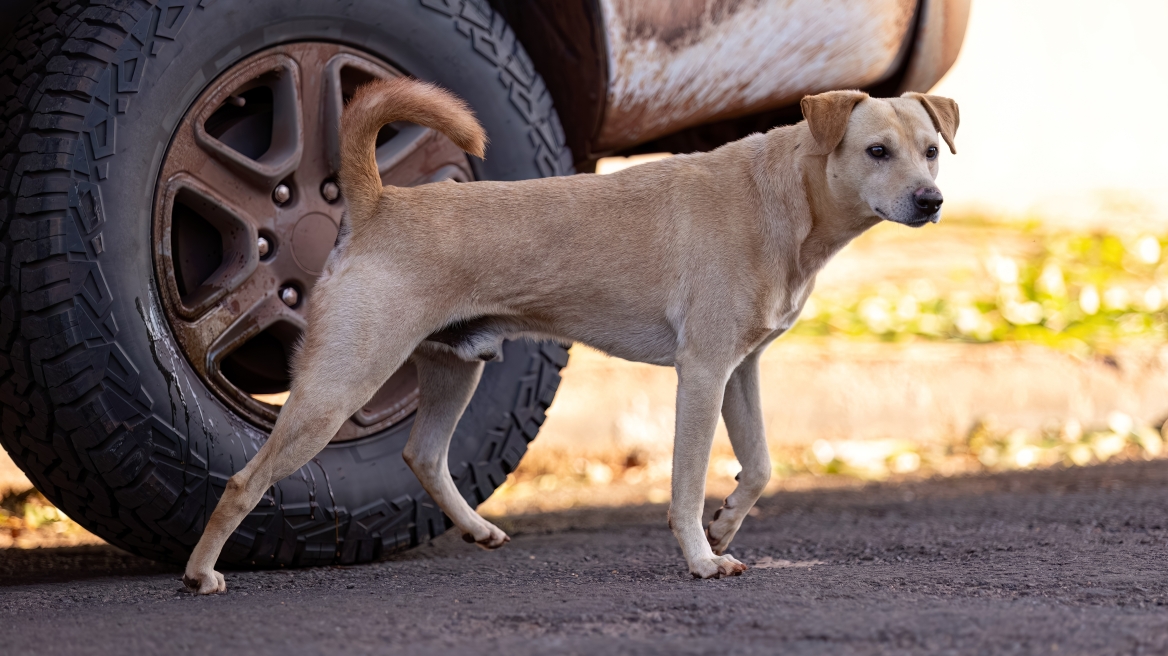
882, 153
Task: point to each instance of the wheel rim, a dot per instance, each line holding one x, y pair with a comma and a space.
252, 165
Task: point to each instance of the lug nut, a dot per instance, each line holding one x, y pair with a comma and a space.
263, 246
330, 191
281, 194
290, 296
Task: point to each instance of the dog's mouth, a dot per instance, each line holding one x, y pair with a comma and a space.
915, 223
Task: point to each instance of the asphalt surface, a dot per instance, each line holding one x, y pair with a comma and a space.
1066, 562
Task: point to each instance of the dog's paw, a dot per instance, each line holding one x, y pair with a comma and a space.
204, 583
716, 567
487, 536
721, 530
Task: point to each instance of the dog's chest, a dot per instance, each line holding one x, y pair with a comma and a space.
787, 308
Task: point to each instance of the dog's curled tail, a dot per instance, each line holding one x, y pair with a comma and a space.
385, 101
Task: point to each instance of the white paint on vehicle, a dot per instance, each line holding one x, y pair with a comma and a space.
679, 63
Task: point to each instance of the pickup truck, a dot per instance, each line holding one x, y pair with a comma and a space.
168, 197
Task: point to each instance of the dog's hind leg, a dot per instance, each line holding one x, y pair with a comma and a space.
445, 383
742, 410
338, 370
700, 388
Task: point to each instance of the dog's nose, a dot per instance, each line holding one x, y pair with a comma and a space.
928, 200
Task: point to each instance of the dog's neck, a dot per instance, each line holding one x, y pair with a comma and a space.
795, 192
833, 224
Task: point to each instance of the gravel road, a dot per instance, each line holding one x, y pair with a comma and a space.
1068, 561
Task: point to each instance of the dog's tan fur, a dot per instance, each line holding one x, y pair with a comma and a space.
697, 261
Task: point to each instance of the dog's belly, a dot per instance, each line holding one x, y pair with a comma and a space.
480, 338
648, 344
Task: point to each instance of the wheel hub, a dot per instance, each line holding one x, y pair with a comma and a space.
312, 241
248, 209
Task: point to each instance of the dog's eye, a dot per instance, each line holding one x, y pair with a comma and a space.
931, 153
879, 152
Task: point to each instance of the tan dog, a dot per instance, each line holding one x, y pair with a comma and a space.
697, 261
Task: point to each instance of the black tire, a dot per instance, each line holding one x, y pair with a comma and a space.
100, 408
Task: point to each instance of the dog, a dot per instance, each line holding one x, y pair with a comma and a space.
697, 262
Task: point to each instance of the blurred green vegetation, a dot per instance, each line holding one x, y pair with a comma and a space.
987, 447
1083, 292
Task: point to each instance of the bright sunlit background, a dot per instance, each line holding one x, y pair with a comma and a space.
1063, 110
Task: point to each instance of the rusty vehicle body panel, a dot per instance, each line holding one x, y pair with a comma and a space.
626, 73
941, 29
677, 63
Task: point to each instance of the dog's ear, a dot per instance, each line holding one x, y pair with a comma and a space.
827, 115
944, 113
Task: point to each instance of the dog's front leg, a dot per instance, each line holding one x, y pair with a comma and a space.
742, 410
699, 397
